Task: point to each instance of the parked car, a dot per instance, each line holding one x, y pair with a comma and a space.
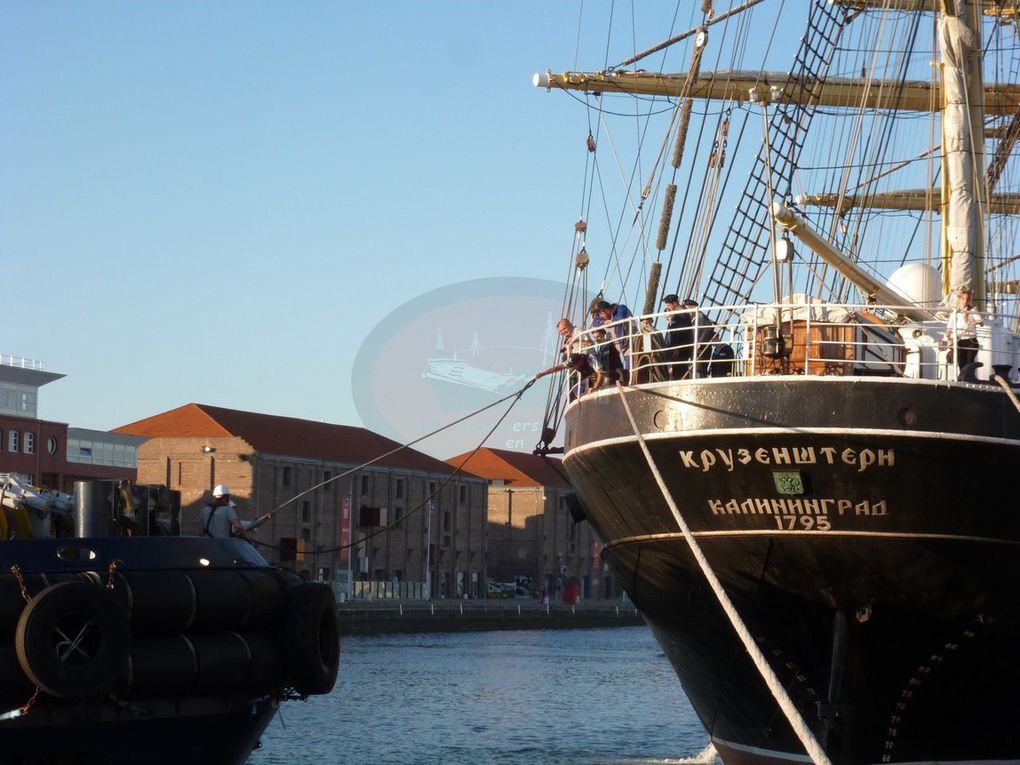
501, 589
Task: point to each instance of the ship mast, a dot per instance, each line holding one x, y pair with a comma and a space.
963, 163
960, 92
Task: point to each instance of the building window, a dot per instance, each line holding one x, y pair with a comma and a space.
463, 494
306, 535
13, 444
400, 488
432, 488
327, 478
398, 513
285, 477
306, 511
51, 445
364, 485
29, 443
446, 520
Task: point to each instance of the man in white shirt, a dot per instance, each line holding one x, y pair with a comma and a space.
219, 518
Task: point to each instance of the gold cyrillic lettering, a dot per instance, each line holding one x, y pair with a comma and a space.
707, 460
804, 456
716, 506
781, 456
867, 459
726, 455
688, 459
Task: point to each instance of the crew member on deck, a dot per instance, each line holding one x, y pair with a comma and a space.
679, 338
703, 332
608, 364
576, 357
961, 329
219, 518
606, 313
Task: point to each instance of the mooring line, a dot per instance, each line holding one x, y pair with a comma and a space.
794, 717
1004, 384
262, 519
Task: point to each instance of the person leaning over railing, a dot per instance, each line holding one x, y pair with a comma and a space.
576, 354
607, 362
618, 315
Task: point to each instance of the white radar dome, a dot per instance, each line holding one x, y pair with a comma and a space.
919, 282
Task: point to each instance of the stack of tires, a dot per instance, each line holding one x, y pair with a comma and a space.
170, 634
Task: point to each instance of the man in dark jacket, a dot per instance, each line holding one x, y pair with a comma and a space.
679, 338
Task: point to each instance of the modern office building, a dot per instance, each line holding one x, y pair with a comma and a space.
51, 454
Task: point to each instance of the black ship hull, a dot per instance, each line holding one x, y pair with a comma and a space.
867, 533
161, 732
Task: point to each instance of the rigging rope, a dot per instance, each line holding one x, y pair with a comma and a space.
516, 394
1004, 384
427, 501
794, 717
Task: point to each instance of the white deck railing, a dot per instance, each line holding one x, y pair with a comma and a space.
810, 338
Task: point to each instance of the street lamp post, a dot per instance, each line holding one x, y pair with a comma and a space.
509, 530
428, 548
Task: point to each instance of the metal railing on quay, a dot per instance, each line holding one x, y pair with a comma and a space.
475, 608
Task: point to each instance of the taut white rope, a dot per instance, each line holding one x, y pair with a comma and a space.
1004, 384
794, 717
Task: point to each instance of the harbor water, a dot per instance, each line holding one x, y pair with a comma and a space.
556, 697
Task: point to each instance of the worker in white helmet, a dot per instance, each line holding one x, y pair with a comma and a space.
219, 518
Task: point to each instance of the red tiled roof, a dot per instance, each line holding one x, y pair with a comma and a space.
289, 436
516, 468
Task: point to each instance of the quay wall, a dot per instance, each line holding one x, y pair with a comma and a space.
367, 618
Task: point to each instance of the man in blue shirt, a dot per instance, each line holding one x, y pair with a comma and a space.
610, 313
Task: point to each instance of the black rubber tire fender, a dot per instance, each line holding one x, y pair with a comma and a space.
312, 639
73, 640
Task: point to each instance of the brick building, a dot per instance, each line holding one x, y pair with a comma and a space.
532, 535
52, 454
292, 468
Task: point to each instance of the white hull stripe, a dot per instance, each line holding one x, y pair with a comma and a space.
790, 757
670, 536
851, 432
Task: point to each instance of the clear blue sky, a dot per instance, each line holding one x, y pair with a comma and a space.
218, 201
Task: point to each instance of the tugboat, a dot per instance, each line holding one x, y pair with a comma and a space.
808, 483
122, 641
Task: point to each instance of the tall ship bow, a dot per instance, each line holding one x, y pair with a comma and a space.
804, 473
